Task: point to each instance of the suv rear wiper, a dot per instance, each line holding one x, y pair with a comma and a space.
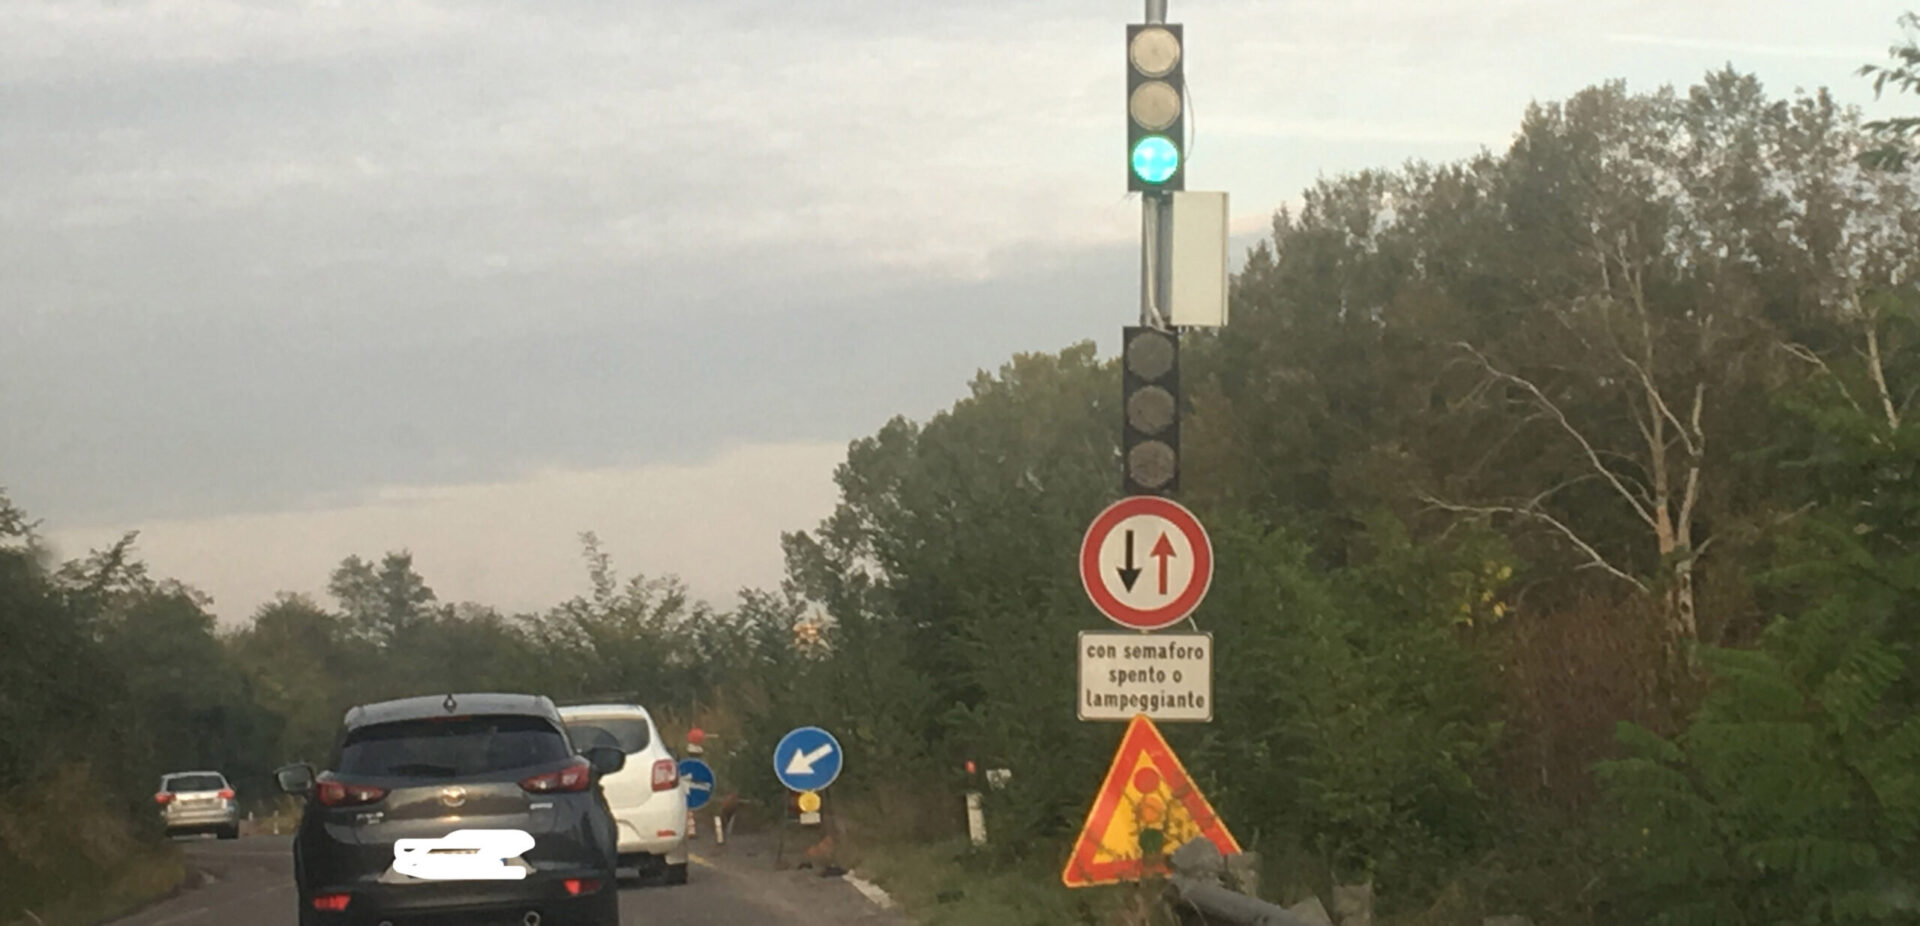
422, 768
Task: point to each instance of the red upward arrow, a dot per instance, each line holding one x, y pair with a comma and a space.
1162, 550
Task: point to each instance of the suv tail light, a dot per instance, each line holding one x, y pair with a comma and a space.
665, 776
162, 798
342, 794
575, 777
226, 794
332, 902
578, 886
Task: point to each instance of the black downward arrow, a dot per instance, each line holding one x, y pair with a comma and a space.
1128, 573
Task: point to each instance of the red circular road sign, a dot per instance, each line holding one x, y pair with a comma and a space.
1146, 562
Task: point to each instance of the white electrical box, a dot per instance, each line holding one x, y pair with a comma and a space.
1199, 261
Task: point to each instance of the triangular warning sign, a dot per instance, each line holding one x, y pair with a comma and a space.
1147, 789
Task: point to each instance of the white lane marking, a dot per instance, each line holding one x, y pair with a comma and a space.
871, 890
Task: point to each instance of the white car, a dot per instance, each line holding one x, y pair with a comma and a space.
648, 799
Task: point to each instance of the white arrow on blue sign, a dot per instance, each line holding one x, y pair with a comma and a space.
699, 778
807, 759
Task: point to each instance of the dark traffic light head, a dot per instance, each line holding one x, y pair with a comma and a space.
1150, 404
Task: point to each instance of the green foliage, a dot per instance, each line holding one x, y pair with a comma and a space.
1794, 796
1900, 134
385, 603
1353, 715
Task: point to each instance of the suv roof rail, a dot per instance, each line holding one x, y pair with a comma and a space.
610, 697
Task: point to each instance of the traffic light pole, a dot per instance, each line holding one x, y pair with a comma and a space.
1156, 223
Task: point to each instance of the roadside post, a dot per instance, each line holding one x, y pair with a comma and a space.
976, 810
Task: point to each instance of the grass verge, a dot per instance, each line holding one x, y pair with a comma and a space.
141, 880
948, 883
68, 857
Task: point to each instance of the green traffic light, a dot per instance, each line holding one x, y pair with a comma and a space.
1155, 159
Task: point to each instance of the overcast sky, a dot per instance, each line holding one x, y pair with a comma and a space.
283, 281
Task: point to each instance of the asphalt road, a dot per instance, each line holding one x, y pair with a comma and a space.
250, 881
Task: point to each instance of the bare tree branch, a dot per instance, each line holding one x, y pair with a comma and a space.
1548, 405
1595, 560
1536, 501
1876, 370
1802, 352
1659, 402
1632, 481
1691, 496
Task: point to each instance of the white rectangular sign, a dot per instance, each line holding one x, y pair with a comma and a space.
1166, 676
1198, 295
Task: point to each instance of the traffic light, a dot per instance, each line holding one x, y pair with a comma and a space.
1156, 108
1150, 403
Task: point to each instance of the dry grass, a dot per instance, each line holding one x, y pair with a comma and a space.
68, 857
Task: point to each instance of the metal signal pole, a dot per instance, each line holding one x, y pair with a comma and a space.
1156, 219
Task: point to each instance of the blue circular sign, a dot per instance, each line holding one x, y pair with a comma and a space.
807, 759
699, 778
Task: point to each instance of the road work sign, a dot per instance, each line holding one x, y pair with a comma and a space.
1166, 676
1147, 808
1146, 562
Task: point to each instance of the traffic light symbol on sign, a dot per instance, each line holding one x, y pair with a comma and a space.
1150, 405
1156, 108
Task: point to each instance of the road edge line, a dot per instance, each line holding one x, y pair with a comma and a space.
873, 892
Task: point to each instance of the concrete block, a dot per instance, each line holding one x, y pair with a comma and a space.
1312, 911
1353, 904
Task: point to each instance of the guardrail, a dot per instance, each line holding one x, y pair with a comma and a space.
1201, 894
1208, 889
1214, 903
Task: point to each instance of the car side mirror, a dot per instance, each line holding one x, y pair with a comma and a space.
296, 779
605, 759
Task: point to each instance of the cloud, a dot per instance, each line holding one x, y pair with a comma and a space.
1810, 52
268, 254
1357, 130
57, 40
513, 545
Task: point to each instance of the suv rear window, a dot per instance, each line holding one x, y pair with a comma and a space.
628, 733
183, 783
451, 747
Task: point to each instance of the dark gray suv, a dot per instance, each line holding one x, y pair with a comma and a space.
462, 808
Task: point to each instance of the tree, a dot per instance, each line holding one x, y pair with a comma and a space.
623, 636
57, 698
306, 665
1899, 134
383, 604
1794, 795
946, 571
